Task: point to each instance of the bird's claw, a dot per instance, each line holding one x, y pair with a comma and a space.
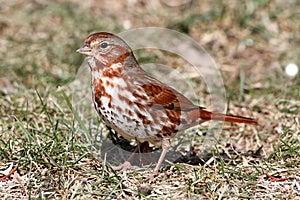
125, 166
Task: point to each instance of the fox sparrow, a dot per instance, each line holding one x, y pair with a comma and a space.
134, 104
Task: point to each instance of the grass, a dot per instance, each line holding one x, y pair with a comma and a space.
251, 41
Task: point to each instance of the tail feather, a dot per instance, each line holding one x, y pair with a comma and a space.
206, 115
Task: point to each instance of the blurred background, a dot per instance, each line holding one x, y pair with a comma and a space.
39, 37
255, 45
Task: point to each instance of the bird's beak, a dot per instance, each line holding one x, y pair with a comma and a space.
85, 50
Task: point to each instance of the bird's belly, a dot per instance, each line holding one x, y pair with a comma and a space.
132, 122
126, 117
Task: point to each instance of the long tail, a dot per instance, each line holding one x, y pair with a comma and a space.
206, 115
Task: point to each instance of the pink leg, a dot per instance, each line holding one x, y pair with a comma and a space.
165, 148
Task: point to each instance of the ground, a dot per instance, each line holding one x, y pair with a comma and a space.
251, 43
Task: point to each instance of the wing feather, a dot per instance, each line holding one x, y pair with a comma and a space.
168, 98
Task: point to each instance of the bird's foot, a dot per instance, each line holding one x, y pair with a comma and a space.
126, 165
152, 176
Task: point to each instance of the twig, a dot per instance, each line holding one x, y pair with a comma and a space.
8, 175
273, 178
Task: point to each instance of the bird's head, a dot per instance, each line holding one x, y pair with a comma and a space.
105, 49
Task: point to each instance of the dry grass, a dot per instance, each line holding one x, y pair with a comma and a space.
251, 42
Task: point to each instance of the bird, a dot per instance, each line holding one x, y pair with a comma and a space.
136, 105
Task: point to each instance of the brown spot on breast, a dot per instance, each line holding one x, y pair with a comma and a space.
119, 109
140, 115
140, 106
111, 73
113, 70
144, 118
129, 112
139, 96
146, 121
130, 103
122, 98
107, 82
100, 91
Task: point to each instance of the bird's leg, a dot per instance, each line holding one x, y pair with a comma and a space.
165, 149
127, 164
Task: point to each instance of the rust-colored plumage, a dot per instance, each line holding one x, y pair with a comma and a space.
134, 104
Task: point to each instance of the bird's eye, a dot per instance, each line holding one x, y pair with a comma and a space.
104, 45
